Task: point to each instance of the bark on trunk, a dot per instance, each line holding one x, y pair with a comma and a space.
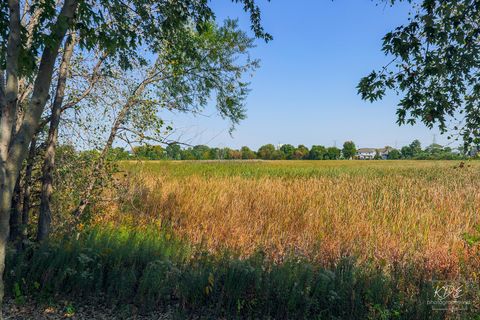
27, 186
45, 215
7, 118
6, 194
16, 212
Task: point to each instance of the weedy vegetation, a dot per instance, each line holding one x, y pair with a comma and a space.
272, 240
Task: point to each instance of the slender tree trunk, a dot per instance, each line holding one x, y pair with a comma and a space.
7, 118
119, 121
27, 186
99, 166
45, 215
4, 231
7, 185
15, 215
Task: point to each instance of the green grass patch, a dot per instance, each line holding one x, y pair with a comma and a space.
153, 270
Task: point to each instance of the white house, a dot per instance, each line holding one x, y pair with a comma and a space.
366, 153
369, 153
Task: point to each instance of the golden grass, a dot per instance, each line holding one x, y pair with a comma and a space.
388, 212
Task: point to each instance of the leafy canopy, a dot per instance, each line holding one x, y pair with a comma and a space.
114, 26
435, 68
349, 149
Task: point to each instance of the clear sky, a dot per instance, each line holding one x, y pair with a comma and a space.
304, 91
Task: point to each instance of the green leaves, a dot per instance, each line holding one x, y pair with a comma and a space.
435, 67
372, 87
212, 63
115, 26
191, 70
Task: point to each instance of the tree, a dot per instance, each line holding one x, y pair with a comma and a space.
394, 154
119, 153
44, 218
406, 152
30, 38
278, 155
415, 148
20, 116
266, 152
317, 153
301, 152
216, 63
201, 152
187, 154
333, 153
247, 153
149, 152
434, 148
214, 153
234, 154
434, 68
173, 151
288, 150
349, 150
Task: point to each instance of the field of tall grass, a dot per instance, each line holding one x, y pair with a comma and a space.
389, 212
280, 239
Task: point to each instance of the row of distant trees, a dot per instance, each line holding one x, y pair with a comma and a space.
285, 152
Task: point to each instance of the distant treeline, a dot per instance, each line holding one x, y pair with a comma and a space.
285, 152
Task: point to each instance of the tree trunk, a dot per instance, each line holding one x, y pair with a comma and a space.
45, 215
4, 231
7, 184
98, 167
16, 212
7, 118
27, 187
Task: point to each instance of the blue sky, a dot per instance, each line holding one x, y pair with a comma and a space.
304, 91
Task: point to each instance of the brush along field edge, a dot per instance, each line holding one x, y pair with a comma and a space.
14, 144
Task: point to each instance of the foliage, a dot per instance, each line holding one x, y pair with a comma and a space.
71, 176
288, 150
197, 68
333, 153
394, 154
149, 152
300, 153
173, 151
349, 150
434, 68
317, 153
116, 27
285, 152
247, 153
118, 153
266, 152
411, 150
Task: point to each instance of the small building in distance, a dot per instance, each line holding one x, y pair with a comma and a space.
370, 153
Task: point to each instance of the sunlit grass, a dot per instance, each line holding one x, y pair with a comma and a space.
390, 212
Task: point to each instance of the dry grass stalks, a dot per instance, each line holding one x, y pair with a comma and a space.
392, 213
